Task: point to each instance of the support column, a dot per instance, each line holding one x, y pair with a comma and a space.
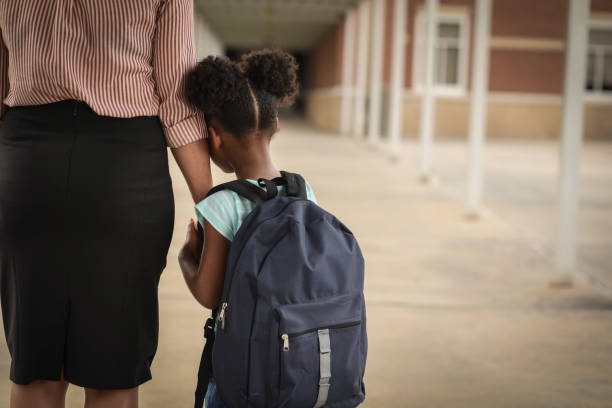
348, 63
359, 107
427, 99
571, 138
397, 76
376, 71
478, 108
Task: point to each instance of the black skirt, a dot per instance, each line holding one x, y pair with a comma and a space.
86, 219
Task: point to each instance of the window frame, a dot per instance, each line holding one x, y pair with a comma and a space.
453, 17
596, 94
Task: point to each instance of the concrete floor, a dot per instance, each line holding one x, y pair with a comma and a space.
460, 312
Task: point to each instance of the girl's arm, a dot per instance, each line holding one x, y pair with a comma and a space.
204, 275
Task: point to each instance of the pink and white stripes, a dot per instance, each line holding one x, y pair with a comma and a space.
124, 58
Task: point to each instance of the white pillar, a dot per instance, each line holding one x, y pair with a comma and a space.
478, 108
348, 63
398, 57
427, 98
571, 137
359, 106
376, 70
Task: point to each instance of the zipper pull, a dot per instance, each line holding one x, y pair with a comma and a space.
285, 338
222, 315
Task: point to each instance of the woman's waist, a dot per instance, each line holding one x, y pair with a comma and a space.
73, 103
72, 118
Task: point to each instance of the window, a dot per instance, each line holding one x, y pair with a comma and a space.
450, 57
599, 63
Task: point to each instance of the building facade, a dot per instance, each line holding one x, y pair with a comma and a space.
526, 69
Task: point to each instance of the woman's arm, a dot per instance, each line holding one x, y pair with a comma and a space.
4, 80
204, 275
194, 162
184, 127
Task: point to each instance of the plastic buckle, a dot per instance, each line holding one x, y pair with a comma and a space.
209, 328
271, 188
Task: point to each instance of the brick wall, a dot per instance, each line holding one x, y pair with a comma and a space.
325, 68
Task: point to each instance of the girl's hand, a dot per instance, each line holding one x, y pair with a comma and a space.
189, 252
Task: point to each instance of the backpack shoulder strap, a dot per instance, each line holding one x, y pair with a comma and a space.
296, 185
243, 188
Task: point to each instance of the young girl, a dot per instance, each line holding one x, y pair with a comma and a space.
240, 102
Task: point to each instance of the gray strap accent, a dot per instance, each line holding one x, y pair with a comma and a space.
325, 367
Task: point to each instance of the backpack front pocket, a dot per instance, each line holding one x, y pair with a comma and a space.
321, 353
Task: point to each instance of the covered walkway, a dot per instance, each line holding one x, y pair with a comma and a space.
460, 313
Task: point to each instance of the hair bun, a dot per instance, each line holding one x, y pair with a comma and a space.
212, 83
273, 71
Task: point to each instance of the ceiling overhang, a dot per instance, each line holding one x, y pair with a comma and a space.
294, 25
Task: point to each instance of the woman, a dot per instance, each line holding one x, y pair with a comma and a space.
94, 95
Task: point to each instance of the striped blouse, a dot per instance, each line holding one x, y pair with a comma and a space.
124, 58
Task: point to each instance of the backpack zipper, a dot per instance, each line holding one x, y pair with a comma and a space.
222, 315
286, 336
225, 303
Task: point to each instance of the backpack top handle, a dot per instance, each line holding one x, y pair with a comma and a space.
296, 186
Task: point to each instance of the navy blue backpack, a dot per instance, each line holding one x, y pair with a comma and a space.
291, 325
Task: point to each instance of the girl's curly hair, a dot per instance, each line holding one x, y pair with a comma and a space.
244, 96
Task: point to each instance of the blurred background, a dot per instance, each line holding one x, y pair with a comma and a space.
468, 145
